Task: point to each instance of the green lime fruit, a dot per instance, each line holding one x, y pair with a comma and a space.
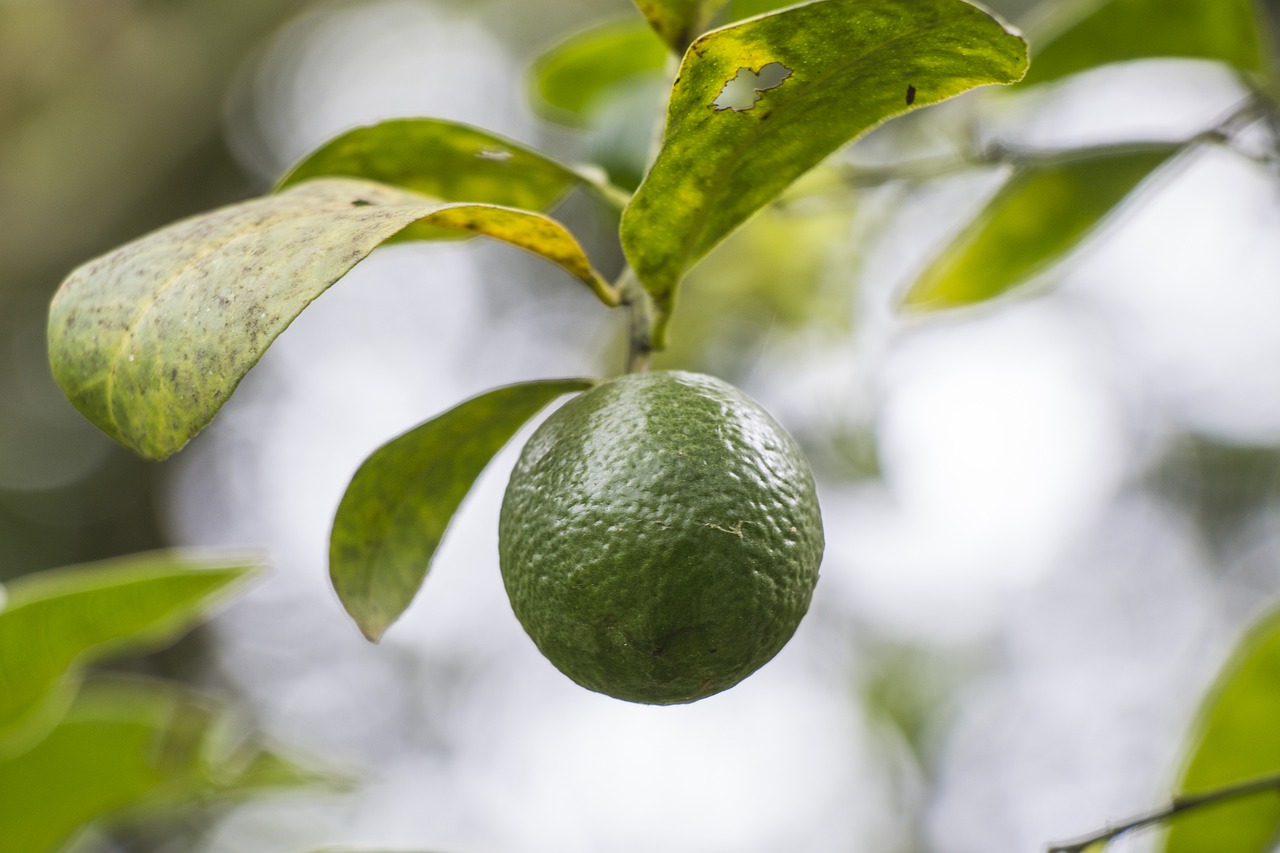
660, 537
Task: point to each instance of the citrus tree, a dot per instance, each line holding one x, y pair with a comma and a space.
661, 537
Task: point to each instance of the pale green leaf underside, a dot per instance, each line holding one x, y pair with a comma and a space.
1234, 740
56, 621
1088, 33
1043, 212
123, 745
149, 341
400, 502
678, 22
853, 64
443, 160
572, 79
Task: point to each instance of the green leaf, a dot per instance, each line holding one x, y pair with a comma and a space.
150, 340
572, 79
400, 502
1234, 740
1088, 33
55, 622
849, 65
1040, 214
678, 22
126, 745
739, 9
444, 161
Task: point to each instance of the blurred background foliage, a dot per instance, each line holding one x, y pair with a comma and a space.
1005, 679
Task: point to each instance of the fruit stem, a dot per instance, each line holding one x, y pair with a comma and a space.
640, 306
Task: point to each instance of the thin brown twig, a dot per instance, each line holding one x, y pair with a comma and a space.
1177, 806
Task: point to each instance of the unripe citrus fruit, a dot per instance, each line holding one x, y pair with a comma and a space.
660, 537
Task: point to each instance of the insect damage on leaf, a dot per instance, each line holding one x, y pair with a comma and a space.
743, 91
911, 94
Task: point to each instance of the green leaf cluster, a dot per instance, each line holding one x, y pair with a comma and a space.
150, 340
72, 755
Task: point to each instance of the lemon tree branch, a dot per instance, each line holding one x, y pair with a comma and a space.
640, 306
1177, 806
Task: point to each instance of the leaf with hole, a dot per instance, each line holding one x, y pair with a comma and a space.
402, 498
57, 621
571, 80
678, 22
1084, 34
1040, 214
126, 745
1232, 741
842, 67
148, 341
445, 161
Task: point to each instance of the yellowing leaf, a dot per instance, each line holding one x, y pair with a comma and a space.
836, 68
401, 500
1041, 213
149, 340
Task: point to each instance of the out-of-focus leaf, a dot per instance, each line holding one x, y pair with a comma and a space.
56, 621
149, 340
739, 9
623, 130
1234, 740
127, 745
400, 502
444, 161
572, 78
1087, 33
845, 66
678, 22
1042, 212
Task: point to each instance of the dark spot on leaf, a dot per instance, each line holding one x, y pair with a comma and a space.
743, 91
361, 203
911, 94
658, 652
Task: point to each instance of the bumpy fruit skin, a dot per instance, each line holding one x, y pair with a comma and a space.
660, 537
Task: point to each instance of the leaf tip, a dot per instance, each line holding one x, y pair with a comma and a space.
372, 631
